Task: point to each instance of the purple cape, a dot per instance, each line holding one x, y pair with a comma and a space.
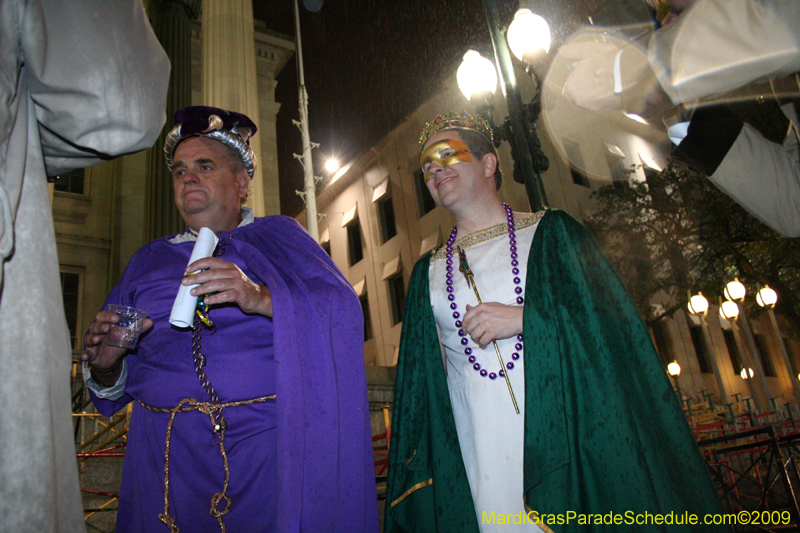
325, 476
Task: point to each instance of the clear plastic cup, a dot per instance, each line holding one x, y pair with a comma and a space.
125, 333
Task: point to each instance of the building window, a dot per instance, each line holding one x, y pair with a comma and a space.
575, 162
355, 249
325, 241
397, 297
733, 351
71, 295
655, 185
382, 198
791, 354
703, 357
616, 166
766, 357
386, 217
71, 182
425, 203
661, 339
650, 174
367, 321
355, 244
578, 177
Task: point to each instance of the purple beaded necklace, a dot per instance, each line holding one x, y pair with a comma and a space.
451, 296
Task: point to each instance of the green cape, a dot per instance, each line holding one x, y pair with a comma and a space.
604, 432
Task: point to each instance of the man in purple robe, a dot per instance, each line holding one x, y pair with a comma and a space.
265, 412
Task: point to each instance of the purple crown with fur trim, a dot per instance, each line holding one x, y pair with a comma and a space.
228, 127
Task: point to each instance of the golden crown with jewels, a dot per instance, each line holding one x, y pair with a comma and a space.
456, 120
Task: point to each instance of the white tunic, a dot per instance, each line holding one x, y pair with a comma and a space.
490, 433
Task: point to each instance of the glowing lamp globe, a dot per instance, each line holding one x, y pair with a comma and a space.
332, 165
766, 297
729, 310
674, 369
476, 74
735, 290
528, 33
698, 305
744, 373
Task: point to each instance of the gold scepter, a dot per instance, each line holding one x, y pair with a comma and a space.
463, 266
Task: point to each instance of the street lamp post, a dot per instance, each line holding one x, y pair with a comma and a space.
674, 370
736, 292
519, 128
309, 193
767, 297
729, 311
747, 375
698, 305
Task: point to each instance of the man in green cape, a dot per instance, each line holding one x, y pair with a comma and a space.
551, 411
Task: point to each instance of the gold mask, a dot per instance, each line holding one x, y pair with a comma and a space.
446, 153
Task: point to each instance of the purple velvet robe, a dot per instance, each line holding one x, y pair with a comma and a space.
302, 462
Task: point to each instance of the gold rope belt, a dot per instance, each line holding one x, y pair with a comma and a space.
210, 409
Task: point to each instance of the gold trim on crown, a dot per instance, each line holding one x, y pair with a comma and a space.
456, 120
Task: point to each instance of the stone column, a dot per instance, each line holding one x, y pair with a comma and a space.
171, 21
269, 140
229, 72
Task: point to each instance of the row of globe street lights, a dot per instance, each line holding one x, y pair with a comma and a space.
731, 309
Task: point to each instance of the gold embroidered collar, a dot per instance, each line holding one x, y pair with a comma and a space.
489, 233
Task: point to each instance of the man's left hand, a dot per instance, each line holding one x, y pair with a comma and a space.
491, 321
226, 283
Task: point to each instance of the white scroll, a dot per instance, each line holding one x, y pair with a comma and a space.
182, 314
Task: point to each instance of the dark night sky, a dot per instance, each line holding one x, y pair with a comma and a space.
370, 63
